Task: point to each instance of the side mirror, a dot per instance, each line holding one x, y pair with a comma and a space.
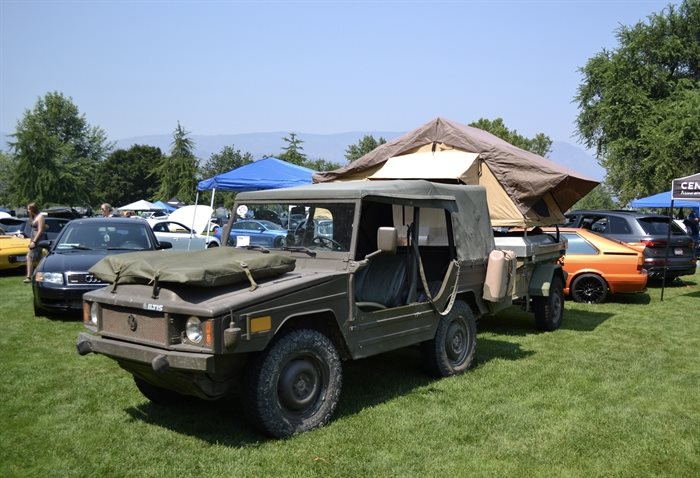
45, 244
165, 245
387, 238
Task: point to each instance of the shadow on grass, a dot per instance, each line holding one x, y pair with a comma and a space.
366, 383
516, 322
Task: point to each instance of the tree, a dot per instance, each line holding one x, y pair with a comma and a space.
128, 175
320, 165
293, 151
7, 165
177, 173
363, 146
56, 154
540, 144
638, 104
598, 198
225, 160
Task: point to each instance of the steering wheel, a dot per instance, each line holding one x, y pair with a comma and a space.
328, 242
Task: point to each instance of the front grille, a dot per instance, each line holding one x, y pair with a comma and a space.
138, 325
82, 278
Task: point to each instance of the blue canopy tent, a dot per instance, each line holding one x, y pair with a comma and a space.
267, 173
662, 200
165, 206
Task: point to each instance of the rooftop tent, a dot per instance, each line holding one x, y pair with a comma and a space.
266, 173
523, 188
661, 200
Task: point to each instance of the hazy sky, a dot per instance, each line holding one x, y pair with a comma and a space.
223, 67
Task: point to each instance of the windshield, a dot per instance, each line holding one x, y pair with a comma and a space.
96, 236
315, 226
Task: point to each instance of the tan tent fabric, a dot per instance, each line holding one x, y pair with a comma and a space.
529, 181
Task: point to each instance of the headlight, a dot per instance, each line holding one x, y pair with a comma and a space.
50, 277
94, 313
193, 329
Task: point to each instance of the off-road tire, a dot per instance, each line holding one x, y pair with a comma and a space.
549, 311
590, 288
158, 395
294, 385
453, 349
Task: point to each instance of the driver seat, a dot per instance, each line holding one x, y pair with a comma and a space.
382, 283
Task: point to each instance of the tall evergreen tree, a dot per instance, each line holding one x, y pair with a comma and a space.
177, 173
293, 152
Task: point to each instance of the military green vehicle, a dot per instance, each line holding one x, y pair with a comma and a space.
375, 266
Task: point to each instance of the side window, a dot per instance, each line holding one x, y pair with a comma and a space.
619, 226
570, 221
601, 225
578, 245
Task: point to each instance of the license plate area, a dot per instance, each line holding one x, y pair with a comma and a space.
678, 251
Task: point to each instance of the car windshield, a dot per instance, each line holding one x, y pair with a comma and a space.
659, 226
310, 225
95, 236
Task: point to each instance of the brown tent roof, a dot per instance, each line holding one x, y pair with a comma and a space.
526, 177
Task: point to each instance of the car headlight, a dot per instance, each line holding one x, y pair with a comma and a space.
49, 277
94, 313
193, 330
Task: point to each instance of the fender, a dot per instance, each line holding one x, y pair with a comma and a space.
542, 278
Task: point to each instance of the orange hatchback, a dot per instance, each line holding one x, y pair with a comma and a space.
597, 266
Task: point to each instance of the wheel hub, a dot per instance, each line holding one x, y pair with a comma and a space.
299, 385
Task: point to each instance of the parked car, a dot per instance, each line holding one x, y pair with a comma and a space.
598, 266
649, 230
186, 228
62, 277
13, 251
256, 233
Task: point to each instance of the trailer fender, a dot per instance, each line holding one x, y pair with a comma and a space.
542, 277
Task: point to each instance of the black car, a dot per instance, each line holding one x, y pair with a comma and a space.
14, 226
62, 277
650, 230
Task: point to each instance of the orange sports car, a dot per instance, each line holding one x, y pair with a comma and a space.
597, 266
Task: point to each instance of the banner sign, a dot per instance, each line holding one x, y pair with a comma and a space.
686, 188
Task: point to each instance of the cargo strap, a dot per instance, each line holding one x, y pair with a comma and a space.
116, 281
426, 288
156, 290
253, 285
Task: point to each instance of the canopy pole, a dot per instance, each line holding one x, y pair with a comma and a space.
194, 216
668, 244
213, 192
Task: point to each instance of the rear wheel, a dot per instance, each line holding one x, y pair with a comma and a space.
294, 385
589, 288
549, 310
453, 349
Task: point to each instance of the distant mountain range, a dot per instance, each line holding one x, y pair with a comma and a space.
330, 147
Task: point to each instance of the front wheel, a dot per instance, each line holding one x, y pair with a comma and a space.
589, 288
453, 349
549, 310
293, 386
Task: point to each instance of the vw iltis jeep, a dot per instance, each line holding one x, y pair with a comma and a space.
378, 265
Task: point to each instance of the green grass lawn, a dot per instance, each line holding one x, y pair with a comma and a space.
614, 392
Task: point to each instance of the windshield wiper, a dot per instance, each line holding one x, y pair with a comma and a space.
78, 246
300, 249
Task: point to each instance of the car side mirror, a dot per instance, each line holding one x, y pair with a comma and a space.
387, 239
45, 244
165, 245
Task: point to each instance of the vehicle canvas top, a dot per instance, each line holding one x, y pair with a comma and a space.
209, 267
467, 205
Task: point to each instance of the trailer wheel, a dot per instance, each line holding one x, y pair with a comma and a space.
453, 349
589, 288
293, 386
549, 310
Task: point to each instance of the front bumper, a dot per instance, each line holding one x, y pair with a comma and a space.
203, 375
49, 296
